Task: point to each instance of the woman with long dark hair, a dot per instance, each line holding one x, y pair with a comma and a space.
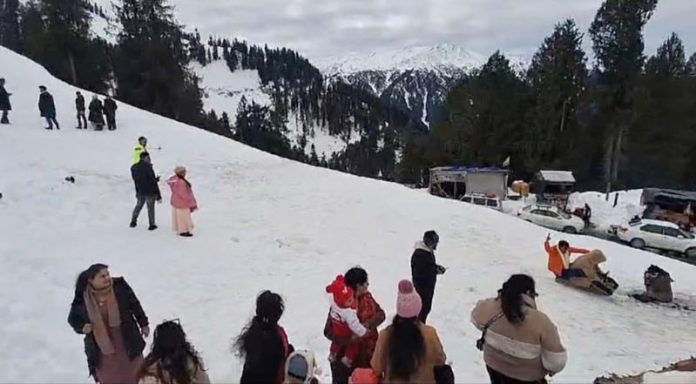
263, 344
408, 350
370, 314
520, 344
172, 360
106, 311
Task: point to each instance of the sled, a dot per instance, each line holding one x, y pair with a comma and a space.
605, 287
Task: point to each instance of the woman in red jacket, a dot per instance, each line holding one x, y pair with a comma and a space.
370, 315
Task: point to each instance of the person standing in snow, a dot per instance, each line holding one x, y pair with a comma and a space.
5, 105
263, 344
96, 113
172, 359
424, 271
107, 312
370, 314
344, 322
80, 108
146, 190
47, 108
139, 148
183, 202
408, 351
110, 108
520, 344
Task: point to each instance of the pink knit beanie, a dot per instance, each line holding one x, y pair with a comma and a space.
408, 301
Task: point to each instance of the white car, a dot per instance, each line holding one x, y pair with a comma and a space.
658, 234
551, 217
483, 200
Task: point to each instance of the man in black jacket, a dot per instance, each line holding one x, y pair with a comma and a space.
424, 271
5, 105
80, 108
110, 108
146, 190
47, 108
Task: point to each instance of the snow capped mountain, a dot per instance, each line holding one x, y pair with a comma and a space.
442, 57
269, 223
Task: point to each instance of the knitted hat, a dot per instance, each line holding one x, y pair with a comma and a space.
408, 301
340, 291
301, 366
363, 376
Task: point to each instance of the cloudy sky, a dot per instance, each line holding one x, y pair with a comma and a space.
321, 28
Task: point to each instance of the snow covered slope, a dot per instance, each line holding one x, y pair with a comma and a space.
269, 223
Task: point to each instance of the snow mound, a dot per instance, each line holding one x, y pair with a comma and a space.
269, 223
604, 214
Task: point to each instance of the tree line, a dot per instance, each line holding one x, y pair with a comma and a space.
626, 121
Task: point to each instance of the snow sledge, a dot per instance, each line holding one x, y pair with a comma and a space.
594, 280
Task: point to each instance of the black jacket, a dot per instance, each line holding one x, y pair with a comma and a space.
265, 359
424, 270
96, 112
110, 107
46, 105
133, 319
145, 180
80, 103
4, 100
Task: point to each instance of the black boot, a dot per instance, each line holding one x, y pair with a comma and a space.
186, 234
152, 228
133, 224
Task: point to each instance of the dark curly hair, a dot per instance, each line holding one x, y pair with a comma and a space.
174, 354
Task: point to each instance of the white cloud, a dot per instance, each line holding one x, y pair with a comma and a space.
320, 28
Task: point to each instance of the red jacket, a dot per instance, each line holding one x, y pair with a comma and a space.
557, 261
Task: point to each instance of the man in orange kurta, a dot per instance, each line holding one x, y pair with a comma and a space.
559, 259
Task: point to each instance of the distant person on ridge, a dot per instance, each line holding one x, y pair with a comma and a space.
47, 108
139, 148
146, 190
110, 108
424, 271
80, 108
5, 105
183, 202
96, 113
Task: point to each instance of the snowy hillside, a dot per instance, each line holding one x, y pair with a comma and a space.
270, 223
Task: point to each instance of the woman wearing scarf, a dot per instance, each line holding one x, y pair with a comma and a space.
109, 314
183, 202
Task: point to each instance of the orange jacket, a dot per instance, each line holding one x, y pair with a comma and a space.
557, 261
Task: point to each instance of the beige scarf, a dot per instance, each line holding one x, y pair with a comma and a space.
99, 328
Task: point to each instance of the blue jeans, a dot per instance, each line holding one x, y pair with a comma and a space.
569, 273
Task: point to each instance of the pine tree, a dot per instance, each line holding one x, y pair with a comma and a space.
9, 24
151, 64
691, 65
670, 59
67, 24
617, 41
557, 76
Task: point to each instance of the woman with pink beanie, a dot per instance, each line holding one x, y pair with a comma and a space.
183, 202
408, 350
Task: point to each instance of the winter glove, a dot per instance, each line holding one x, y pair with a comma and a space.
440, 269
87, 328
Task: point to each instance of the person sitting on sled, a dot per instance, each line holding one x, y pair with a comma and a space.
559, 259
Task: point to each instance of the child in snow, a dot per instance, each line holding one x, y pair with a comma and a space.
344, 320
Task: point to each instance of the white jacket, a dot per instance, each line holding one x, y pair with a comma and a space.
348, 316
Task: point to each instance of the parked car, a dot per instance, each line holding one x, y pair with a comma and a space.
483, 200
551, 217
658, 234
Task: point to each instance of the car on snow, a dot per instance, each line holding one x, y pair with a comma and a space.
658, 234
484, 200
551, 217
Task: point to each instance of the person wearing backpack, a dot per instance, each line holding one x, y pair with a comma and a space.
520, 343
